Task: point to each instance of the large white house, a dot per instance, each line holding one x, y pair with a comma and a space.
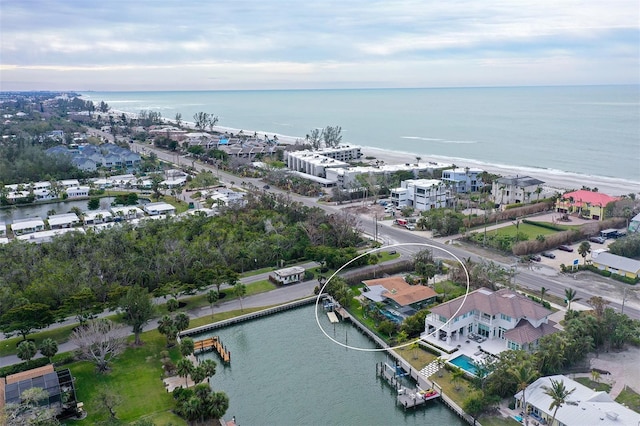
584, 406
463, 180
289, 275
502, 314
515, 189
421, 194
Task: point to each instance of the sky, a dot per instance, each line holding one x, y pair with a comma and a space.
112, 45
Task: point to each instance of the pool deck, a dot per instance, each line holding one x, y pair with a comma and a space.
472, 349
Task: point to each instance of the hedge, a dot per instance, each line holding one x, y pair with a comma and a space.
23, 366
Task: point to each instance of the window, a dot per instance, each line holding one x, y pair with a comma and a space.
506, 318
441, 318
513, 345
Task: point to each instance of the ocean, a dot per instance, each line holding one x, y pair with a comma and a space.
585, 130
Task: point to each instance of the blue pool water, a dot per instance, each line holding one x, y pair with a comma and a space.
465, 363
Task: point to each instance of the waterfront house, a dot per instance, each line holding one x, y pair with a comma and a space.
69, 183
126, 212
154, 209
463, 180
615, 264
96, 217
584, 203
66, 220
399, 294
27, 226
289, 275
496, 315
584, 406
78, 191
515, 189
421, 194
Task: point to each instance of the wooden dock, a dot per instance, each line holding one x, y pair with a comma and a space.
210, 344
407, 398
332, 317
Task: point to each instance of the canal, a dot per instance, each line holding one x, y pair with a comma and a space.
284, 371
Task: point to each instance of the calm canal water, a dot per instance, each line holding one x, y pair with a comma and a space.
286, 372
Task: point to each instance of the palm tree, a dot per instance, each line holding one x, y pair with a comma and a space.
184, 368
209, 366
584, 249
570, 296
48, 348
543, 291
240, 290
524, 374
559, 394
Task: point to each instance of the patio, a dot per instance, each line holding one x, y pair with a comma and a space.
473, 349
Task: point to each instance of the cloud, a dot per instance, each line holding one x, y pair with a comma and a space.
257, 39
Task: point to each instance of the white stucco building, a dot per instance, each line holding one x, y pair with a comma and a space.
312, 163
290, 275
515, 189
497, 315
463, 180
421, 194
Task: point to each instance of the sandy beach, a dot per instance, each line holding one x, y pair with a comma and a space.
557, 180
560, 181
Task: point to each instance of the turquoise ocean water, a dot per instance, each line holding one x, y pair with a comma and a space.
589, 130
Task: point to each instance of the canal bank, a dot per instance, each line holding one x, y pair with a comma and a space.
285, 371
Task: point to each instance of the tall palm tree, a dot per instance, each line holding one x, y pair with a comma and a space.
559, 394
584, 249
570, 296
543, 291
184, 368
524, 374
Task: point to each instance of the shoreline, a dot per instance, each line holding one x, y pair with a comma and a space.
559, 180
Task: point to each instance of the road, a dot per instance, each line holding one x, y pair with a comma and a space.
586, 284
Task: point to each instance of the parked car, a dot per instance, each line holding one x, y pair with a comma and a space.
565, 248
535, 257
548, 254
599, 240
410, 227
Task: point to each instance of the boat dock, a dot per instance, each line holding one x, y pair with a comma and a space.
210, 344
407, 398
333, 318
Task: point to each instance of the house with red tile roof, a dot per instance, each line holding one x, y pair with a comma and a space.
498, 315
399, 294
584, 203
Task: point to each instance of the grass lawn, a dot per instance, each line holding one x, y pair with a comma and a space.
136, 377
60, 335
465, 390
596, 386
531, 231
418, 358
629, 398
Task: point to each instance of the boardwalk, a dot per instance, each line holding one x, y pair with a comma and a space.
210, 344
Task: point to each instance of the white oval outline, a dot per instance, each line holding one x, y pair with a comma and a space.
455, 314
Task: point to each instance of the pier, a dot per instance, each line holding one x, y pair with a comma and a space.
407, 398
210, 344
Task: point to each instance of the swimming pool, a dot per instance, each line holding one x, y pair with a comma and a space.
465, 363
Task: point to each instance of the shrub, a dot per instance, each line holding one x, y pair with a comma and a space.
23, 366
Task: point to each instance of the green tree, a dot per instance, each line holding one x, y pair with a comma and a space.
83, 304
212, 298
48, 348
137, 309
181, 321
584, 249
209, 366
184, 367
173, 305
186, 346
559, 394
524, 374
570, 296
167, 328
27, 350
93, 203
240, 290
26, 318
107, 399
